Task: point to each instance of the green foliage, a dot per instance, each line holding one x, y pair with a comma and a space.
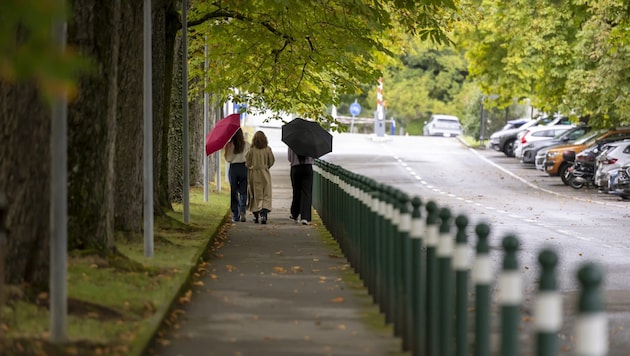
30, 51
569, 56
300, 56
428, 80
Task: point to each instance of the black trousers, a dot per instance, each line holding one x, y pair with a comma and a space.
302, 183
237, 174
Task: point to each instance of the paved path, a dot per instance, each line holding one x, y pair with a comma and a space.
279, 289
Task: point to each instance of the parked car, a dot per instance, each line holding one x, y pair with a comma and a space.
621, 184
537, 133
612, 156
515, 124
555, 165
442, 125
503, 140
531, 149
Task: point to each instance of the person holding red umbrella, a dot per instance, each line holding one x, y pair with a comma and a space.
234, 153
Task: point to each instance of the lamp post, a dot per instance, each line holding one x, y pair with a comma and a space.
482, 129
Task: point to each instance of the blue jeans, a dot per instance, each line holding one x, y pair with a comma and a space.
238, 188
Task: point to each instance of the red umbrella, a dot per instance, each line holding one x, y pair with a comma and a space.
222, 132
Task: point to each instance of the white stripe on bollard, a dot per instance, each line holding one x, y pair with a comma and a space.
405, 222
445, 245
548, 312
510, 288
482, 269
432, 235
376, 203
591, 334
461, 257
417, 228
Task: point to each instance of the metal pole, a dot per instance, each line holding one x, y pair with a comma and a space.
148, 133
482, 129
186, 158
59, 206
206, 123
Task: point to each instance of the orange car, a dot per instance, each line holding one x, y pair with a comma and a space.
555, 165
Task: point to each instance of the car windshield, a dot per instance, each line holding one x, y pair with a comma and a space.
588, 138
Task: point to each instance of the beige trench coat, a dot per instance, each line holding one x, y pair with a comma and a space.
258, 162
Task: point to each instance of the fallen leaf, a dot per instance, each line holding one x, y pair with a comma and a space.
214, 276
337, 300
198, 283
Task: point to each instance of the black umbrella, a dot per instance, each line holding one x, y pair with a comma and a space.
307, 138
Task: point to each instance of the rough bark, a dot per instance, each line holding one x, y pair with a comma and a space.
167, 20
197, 141
25, 179
91, 127
128, 196
175, 161
130, 139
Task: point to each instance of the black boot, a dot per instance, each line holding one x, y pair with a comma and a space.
256, 217
263, 216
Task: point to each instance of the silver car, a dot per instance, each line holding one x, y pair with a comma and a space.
442, 125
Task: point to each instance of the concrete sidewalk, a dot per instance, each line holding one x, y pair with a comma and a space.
278, 289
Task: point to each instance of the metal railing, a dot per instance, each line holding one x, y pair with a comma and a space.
418, 269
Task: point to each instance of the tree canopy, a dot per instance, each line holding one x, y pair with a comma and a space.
290, 56
568, 56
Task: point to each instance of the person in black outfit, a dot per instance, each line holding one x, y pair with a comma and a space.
234, 153
302, 183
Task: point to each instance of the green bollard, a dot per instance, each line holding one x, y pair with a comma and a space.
445, 283
392, 256
382, 243
482, 278
591, 330
416, 279
431, 236
461, 264
397, 258
404, 264
510, 286
372, 226
548, 306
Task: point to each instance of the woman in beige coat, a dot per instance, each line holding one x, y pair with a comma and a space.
259, 159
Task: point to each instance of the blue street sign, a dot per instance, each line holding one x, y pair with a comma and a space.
355, 109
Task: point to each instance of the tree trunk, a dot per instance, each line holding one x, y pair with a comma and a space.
167, 18
25, 179
128, 195
130, 141
92, 126
175, 161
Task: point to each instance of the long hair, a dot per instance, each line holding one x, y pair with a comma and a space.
239, 141
260, 140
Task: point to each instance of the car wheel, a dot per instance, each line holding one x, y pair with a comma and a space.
574, 182
564, 173
508, 148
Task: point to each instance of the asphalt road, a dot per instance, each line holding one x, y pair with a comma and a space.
580, 225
